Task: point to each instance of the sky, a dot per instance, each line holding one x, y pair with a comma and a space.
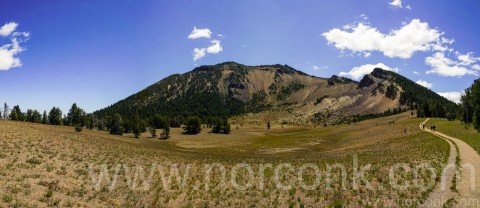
97, 52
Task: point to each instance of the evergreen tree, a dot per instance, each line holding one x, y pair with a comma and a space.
268, 125
5, 111
159, 122
36, 117
216, 125
193, 125
29, 117
471, 105
136, 124
116, 126
17, 114
76, 116
45, 118
166, 132
55, 116
226, 127
153, 132
220, 126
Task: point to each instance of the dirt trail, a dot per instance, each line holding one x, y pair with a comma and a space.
442, 192
469, 184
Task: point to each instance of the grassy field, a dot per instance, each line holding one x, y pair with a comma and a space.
53, 166
458, 130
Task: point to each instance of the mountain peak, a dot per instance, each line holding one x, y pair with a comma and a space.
280, 92
380, 73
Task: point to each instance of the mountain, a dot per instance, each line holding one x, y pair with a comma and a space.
272, 93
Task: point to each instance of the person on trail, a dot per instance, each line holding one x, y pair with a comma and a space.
423, 126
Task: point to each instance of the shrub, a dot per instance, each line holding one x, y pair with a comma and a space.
78, 128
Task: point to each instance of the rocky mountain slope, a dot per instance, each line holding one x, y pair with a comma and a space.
270, 93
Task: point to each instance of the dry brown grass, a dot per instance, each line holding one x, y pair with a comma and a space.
44, 165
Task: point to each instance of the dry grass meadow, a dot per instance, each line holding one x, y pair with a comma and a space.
48, 166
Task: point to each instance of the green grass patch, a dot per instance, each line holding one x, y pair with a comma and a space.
458, 130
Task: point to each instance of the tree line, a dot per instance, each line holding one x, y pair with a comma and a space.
115, 124
470, 105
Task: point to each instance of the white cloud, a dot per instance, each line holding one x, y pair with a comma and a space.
396, 3
215, 47
416, 73
452, 96
8, 28
424, 83
358, 72
476, 67
467, 59
9, 52
401, 43
198, 53
200, 33
446, 67
315, 67
364, 16
408, 7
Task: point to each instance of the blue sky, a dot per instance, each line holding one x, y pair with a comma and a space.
94, 53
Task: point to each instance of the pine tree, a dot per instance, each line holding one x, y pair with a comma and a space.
166, 132
5, 111
193, 125
36, 117
153, 132
116, 125
45, 118
76, 116
135, 124
226, 127
17, 114
55, 116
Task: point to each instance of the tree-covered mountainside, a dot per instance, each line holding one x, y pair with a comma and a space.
426, 102
272, 92
198, 93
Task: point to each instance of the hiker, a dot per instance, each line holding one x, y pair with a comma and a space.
423, 126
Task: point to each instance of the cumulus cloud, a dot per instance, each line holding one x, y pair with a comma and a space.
401, 43
467, 59
8, 28
358, 72
396, 3
452, 96
200, 33
447, 67
424, 83
416, 73
9, 51
198, 53
215, 47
